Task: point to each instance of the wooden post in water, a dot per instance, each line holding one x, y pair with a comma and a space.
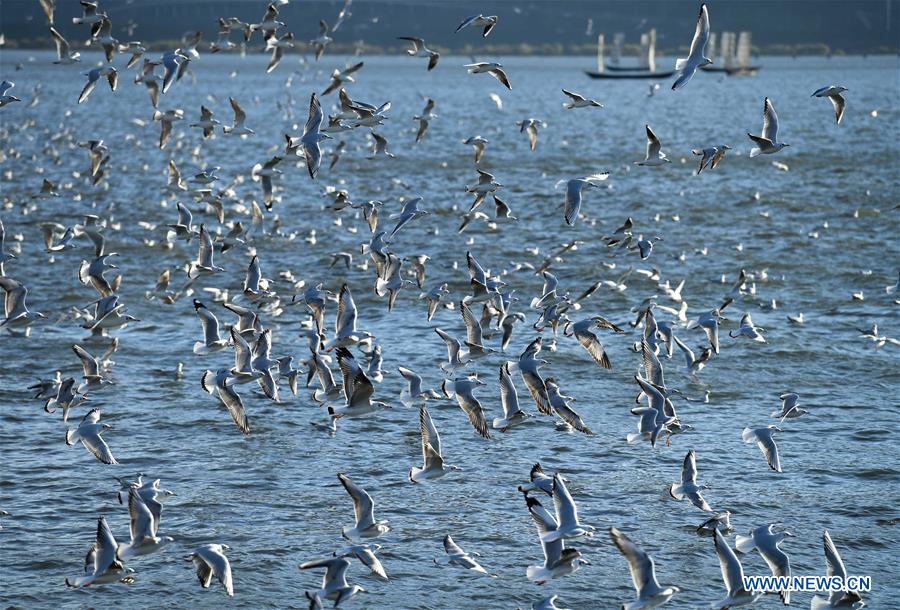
600, 42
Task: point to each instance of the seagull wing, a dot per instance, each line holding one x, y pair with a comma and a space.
500, 75
770, 122
653, 144
415, 382
96, 445
471, 406
591, 343
473, 326
573, 200
640, 564
732, 571
235, 406
431, 441
105, 548
140, 518
239, 115
88, 362
566, 511
838, 102
701, 34
689, 468
835, 567
363, 506
769, 449
509, 398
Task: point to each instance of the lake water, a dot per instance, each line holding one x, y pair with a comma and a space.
273, 496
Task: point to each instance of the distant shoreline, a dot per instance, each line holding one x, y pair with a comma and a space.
587, 49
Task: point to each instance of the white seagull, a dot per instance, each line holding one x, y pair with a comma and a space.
334, 583
210, 560
312, 135
654, 156
733, 575
457, 556
688, 486
111, 74
789, 406
509, 400
63, 53
17, 314
88, 432
493, 68
364, 508
764, 438
568, 525
433, 461
574, 189
643, 575
710, 156
833, 92
143, 525
558, 559
237, 126
579, 101
420, 50
696, 58
834, 566
463, 387
479, 21
748, 330
767, 143
102, 565
766, 542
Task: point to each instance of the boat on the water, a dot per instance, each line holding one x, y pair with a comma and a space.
733, 60
646, 68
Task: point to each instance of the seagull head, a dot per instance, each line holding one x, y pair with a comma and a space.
706, 61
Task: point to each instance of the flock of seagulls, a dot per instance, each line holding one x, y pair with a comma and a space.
488, 311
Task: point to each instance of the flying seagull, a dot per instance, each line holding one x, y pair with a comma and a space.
420, 50
559, 560
767, 143
509, 400
111, 74
457, 556
832, 92
688, 486
479, 21
579, 101
732, 575
210, 560
654, 156
834, 566
312, 135
63, 53
334, 583
764, 540
102, 565
433, 461
643, 574
764, 438
364, 508
696, 58
574, 189
710, 156
492, 68
88, 432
